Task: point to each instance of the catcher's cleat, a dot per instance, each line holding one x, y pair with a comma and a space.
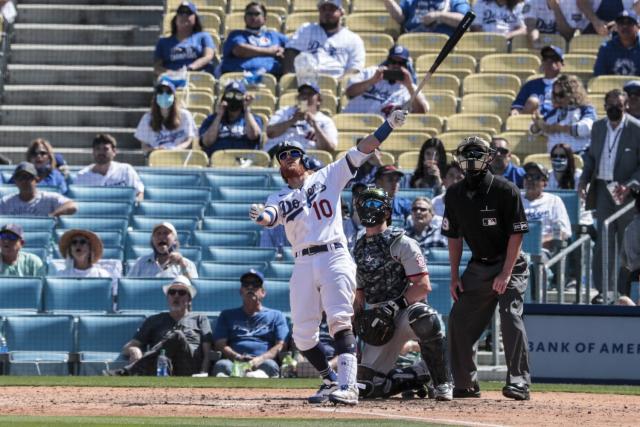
516, 391
114, 372
444, 392
322, 395
346, 395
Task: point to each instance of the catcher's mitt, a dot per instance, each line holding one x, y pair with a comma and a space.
374, 326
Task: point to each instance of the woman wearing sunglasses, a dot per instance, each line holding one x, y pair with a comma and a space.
432, 161
82, 250
233, 125
41, 155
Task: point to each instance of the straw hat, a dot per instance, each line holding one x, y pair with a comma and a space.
183, 282
94, 242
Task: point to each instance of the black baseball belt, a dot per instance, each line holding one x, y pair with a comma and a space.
312, 250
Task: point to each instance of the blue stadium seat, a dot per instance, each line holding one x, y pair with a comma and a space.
71, 295
94, 223
412, 193
31, 223
230, 224
532, 242
441, 271
39, 344
37, 238
227, 209
21, 295
109, 238
177, 194
172, 210
170, 180
439, 255
226, 270
102, 194
108, 252
100, 339
216, 181
217, 295
279, 270
287, 254
276, 180
234, 238
103, 209
6, 189
277, 296
143, 238
571, 201
141, 295
146, 223
193, 253
245, 195
440, 297
39, 251
246, 254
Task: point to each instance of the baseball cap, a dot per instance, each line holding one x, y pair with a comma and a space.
626, 15
632, 86
253, 272
538, 167
13, 228
25, 167
181, 281
336, 3
166, 225
553, 51
192, 7
312, 85
399, 51
386, 170
166, 83
236, 86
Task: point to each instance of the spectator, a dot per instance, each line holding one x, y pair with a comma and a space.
167, 126
439, 16
571, 119
188, 46
615, 141
499, 16
367, 171
30, 201
630, 253
375, 91
233, 125
251, 333
335, 49
536, 94
432, 161
601, 14
304, 123
106, 172
16, 262
82, 250
254, 49
453, 174
502, 164
388, 178
165, 260
40, 154
551, 17
426, 226
632, 89
565, 174
621, 54
184, 336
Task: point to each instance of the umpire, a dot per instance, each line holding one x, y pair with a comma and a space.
486, 211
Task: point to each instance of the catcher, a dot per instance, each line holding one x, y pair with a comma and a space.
392, 279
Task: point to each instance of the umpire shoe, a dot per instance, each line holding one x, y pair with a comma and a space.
518, 391
463, 393
346, 394
444, 392
322, 395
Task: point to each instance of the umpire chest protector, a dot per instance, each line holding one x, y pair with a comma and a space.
382, 277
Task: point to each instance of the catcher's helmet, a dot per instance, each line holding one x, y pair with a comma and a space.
373, 205
294, 145
474, 155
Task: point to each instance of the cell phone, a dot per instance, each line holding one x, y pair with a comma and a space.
303, 106
393, 75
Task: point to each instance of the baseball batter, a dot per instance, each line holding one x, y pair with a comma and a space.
323, 277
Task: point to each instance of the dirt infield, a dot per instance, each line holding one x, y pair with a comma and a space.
492, 409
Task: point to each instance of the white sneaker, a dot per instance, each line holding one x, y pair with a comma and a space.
444, 392
221, 375
258, 373
346, 394
322, 395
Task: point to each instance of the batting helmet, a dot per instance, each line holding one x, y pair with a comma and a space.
294, 146
373, 205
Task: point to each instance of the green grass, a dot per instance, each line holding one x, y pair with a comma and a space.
298, 383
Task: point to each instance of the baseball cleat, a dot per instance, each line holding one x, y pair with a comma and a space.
444, 392
463, 393
346, 395
322, 395
516, 391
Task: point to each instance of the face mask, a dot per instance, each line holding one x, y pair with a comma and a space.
614, 113
234, 104
164, 100
559, 165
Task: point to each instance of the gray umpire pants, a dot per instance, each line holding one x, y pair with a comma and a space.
471, 314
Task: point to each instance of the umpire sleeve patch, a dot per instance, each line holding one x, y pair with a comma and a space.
519, 227
445, 224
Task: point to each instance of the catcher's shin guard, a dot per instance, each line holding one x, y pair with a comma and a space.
411, 378
434, 353
372, 384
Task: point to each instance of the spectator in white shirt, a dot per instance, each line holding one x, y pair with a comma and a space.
167, 126
551, 17
303, 123
499, 16
336, 50
82, 250
106, 172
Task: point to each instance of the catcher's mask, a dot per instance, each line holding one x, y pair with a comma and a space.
474, 155
374, 207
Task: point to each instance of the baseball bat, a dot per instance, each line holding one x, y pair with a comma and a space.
462, 28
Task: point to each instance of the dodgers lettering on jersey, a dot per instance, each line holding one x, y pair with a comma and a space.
539, 11
494, 18
311, 214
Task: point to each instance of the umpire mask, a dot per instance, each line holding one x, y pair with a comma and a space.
474, 155
373, 207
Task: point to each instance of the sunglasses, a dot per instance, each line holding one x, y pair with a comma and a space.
416, 209
372, 203
79, 242
234, 95
9, 236
294, 154
40, 153
162, 90
561, 94
558, 156
502, 151
180, 292
251, 285
533, 177
253, 14
394, 62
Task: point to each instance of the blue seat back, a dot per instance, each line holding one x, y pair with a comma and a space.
277, 295
571, 201
192, 253
279, 270
227, 270
172, 210
39, 251
39, 333
143, 238
177, 194
30, 223
37, 238
109, 238
21, 294
216, 181
102, 209
227, 209
142, 294
77, 295
230, 224
170, 180
102, 194
440, 297
106, 333
214, 238
216, 295
148, 222
532, 242
244, 195
94, 223
440, 255
246, 254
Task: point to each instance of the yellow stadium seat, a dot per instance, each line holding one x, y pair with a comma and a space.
489, 123
350, 122
385, 158
200, 110
491, 83
586, 43
367, 6
269, 81
198, 118
210, 21
521, 64
481, 44
202, 81
419, 122
579, 64
375, 58
329, 104
486, 103
202, 5
453, 64
421, 43
447, 82
178, 159
263, 99
346, 140
441, 104
545, 160
401, 142
198, 99
519, 122
408, 160
216, 41
452, 139
289, 83
603, 84
296, 19
272, 5
523, 143
324, 156
376, 42
235, 21
240, 158
520, 44
371, 22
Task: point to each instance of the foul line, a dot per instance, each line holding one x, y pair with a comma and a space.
409, 417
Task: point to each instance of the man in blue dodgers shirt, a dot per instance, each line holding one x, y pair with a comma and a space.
434, 16
536, 93
621, 54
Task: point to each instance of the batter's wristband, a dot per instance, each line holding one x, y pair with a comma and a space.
383, 131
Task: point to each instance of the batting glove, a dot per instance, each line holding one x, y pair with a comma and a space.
397, 118
255, 213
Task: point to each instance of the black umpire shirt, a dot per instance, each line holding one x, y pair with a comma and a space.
484, 217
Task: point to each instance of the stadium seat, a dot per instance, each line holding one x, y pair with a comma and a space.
202, 81
220, 238
166, 179
101, 194
148, 222
93, 223
367, 6
199, 99
289, 84
227, 209
522, 65
373, 22
240, 158
438, 255
441, 104
100, 340
298, 18
279, 271
235, 21
30, 223
21, 295
545, 160
418, 122
37, 238
408, 160
520, 44
443, 82
228, 270
421, 43
103, 209
39, 344
274, 6
571, 201
177, 194
268, 81
215, 295
520, 122
38, 251
240, 254
481, 44
489, 123
376, 42
252, 180
401, 142
171, 210
373, 59
247, 195
142, 295
460, 65
586, 44
323, 156
385, 158
230, 224
312, 6
353, 122
70, 295
532, 242
579, 64
491, 83
483, 103
346, 140
603, 84
329, 104
523, 143
178, 158
452, 139
192, 253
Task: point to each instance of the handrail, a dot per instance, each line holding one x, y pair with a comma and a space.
605, 253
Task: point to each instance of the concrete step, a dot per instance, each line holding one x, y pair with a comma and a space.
81, 156
486, 358
125, 35
492, 373
58, 115
107, 96
97, 2
63, 137
81, 54
90, 14
120, 76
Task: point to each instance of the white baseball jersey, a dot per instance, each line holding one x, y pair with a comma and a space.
302, 131
378, 96
539, 11
336, 53
549, 209
167, 138
311, 215
494, 18
118, 175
